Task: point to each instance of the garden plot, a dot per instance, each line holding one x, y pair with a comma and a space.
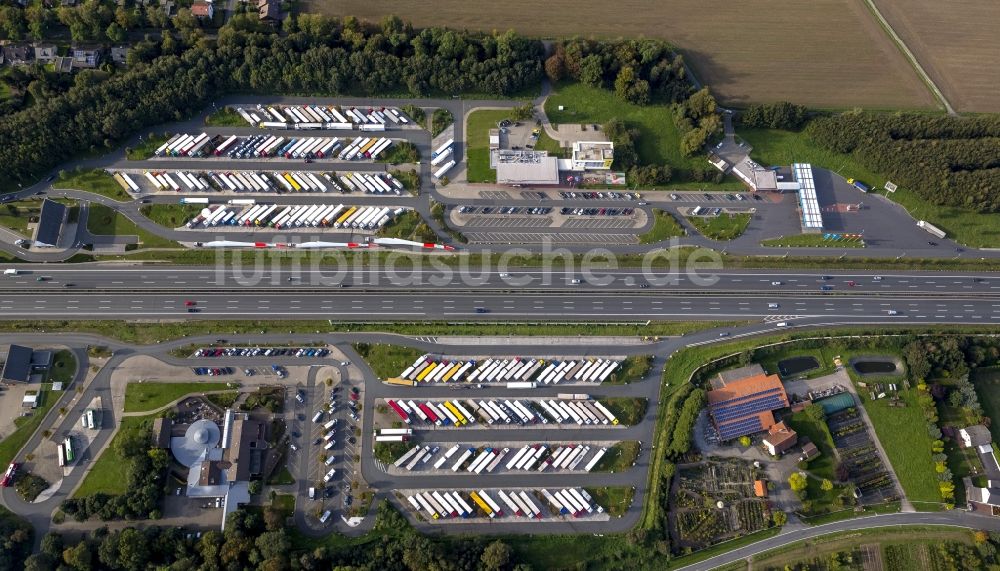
696, 519
859, 460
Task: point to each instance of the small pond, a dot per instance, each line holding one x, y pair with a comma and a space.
796, 365
874, 367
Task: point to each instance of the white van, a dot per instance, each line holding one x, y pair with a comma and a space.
312, 493
782, 324
10, 272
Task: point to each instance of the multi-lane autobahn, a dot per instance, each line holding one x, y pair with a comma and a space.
446, 293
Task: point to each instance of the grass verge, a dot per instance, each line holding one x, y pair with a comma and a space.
477, 136
225, 117
614, 499
170, 215
148, 333
619, 457
146, 148
105, 221
628, 410
634, 368
63, 367
408, 226
16, 215
723, 227
95, 180
387, 360
140, 397
664, 226
811, 241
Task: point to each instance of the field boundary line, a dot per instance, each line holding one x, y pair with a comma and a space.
910, 56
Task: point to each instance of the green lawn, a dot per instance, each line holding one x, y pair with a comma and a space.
722, 227
170, 215
775, 147
387, 360
811, 241
664, 226
140, 397
146, 148
628, 410
619, 457
477, 135
15, 215
658, 141
226, 117
817, 432
96, 181
63, 367
105, 221
901, 430
441, 120
109, 473
547, 143
408, 226
27, 425
614, 499
633, 368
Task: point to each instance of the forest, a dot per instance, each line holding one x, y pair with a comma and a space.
173, 78
952, 161
257, 539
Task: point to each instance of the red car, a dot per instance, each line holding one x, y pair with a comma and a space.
851, 283
188, 303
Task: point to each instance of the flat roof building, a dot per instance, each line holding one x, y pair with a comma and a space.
50, 223
17, 365
526, 167
593, 155
809, 212
744, 406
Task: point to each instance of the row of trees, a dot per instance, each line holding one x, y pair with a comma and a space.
258, 540
640, 70
947, 160
781, 115
145, 477
171, 80
16, 536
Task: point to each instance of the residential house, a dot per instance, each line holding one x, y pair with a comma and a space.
119, 54
977, 435
269, 11
202, 9
46, 53
779, 439
86, 57
18, 54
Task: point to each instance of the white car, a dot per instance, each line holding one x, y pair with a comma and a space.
329, 475
772, 306
575, 282
893, 312
504, 275
782, 324
775, 283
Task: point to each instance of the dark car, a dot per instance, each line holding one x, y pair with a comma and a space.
482, 310
193, 310
317, 442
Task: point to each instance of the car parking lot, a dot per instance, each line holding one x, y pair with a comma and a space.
522, 210
714, 197
261, 352
491, 237
603, 195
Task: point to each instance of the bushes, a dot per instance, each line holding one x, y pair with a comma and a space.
640, 70
29, 486
782, 115
698, 121
440, 121
680, 440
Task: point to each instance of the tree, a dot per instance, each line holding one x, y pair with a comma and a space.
816, 413
592, 71
79, 557
522, 112
255, 487
496, 556
745, 441
826, 485
115, 33
798, 482
779, 518
555, 67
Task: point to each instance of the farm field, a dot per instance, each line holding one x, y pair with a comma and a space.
951, 40
734, 48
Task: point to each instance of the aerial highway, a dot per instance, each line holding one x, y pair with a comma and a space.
437, 274
463, 305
